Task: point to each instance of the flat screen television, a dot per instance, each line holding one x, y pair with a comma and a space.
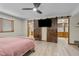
44, 23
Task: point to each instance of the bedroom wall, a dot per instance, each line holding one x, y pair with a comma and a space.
18, 26
74, 28
25, 28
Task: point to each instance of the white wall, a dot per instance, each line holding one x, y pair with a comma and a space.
18, 26
74, 30
44, 33
25, 27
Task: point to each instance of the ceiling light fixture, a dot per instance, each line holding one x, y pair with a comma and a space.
34, 9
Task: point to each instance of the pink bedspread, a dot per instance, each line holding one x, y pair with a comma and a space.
15, 46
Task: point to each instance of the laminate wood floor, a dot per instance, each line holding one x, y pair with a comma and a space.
52, 49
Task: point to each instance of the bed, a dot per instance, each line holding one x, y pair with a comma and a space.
15, 46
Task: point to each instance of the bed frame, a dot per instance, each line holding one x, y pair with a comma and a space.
29, 52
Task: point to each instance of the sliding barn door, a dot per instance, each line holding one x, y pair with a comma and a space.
52, 31
37, 31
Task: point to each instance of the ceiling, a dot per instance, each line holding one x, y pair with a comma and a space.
48, 9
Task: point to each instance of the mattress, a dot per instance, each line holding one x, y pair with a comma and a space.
15, 46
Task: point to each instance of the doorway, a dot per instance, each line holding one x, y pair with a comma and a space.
30, 24
63, 32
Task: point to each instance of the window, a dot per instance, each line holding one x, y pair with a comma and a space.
6, 25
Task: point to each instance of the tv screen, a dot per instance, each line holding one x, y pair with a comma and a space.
44, 23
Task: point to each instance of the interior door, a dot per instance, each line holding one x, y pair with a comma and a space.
37, 31
52, 31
